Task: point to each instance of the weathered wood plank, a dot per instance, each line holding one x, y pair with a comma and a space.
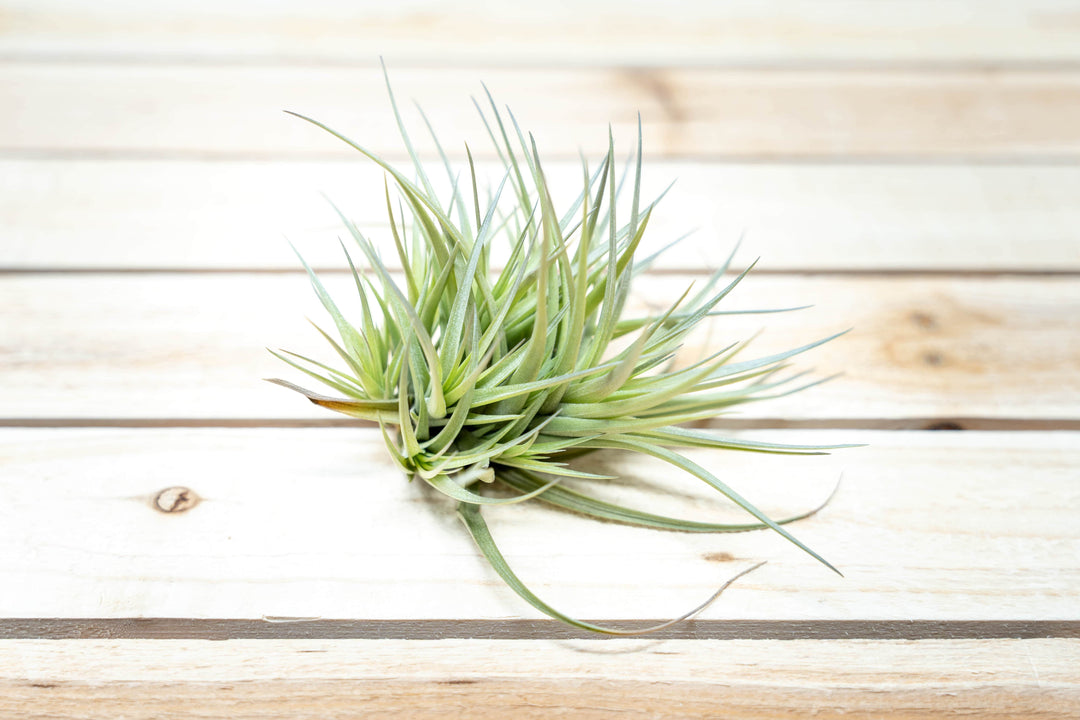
191, 346
318, 523
170, 214
594, 32
262, 680
235, 110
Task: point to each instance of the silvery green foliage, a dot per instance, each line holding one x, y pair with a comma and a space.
479, 376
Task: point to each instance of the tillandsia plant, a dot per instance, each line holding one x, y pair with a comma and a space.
479, 376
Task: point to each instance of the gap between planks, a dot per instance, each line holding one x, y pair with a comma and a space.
659, 272
359, 629
935, 424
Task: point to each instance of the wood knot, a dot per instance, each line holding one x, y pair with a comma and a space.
944, 425
933, 358
924, 320
719, 557
175, 500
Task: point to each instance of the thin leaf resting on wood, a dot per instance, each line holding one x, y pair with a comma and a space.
479, 375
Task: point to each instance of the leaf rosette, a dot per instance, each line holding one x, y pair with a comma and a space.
483, 376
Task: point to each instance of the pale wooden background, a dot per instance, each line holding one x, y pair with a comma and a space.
910, 168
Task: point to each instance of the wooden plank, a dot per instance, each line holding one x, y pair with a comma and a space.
995, 679
592, 32
235, 110
167, 214
318, 523
191, 346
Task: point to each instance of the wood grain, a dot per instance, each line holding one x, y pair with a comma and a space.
235, 110
192, 346
259, 572
592, 32
525, 679
318, 523
176, 214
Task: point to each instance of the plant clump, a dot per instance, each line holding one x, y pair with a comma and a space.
479, 375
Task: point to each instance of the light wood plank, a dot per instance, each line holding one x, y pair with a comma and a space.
593, 32
189, 214
261, 680
318, 523
191, 346
235, 110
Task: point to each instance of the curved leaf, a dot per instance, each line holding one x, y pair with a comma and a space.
447, 486
579, 502
474, 521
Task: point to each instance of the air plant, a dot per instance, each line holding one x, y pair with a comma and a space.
481, 376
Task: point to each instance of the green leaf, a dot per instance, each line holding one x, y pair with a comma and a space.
474, 521
518, 370
685, 463
447, 486
584, 504
367, 409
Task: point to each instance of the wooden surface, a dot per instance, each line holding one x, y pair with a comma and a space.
234, 111
797, 217
178, 538
507, 678
258, 544
596, 32
920, 346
